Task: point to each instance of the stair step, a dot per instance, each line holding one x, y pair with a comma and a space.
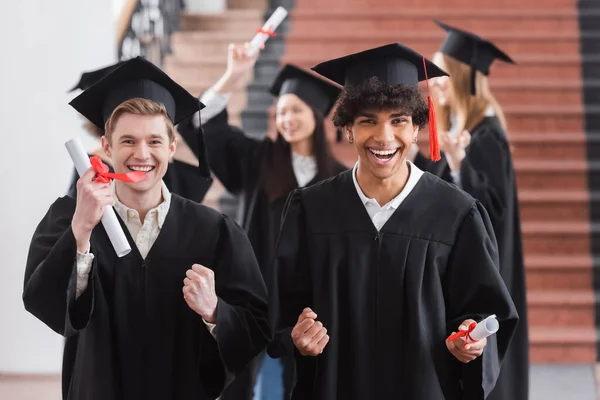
551, 146
529, 66
330, 44
563, 238
546, 205
558, 272
549, 344
230, 20
195, 46
539, 174
438, 4
561, 308
349, 20
247, 4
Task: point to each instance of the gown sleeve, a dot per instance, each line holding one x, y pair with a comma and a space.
242, 327
485, 172
474, 289
49, 291
231, 153
291, 281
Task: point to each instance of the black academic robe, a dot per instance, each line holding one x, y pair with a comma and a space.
236, 160
487, 174
137, 338
389, 299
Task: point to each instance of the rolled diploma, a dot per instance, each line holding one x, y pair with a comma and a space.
485, 328
109, 219
271, 25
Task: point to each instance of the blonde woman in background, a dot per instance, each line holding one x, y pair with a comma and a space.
477, 158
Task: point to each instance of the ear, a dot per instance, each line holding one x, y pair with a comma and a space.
416, 130
349, 133
106, 146
172, 148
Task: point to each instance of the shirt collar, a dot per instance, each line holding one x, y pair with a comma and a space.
414, 174
161, 210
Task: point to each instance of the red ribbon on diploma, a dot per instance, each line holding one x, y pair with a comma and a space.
103, 176
268, 32
466, 334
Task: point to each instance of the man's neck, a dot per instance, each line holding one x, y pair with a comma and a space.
383, 190
142, 202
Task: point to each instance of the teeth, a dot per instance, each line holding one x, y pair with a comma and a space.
143, 169
383, 152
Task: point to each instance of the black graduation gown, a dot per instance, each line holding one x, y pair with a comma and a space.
389, 299
236, 161
487, 174
137, 338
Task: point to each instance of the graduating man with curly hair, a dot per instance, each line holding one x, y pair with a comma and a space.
377, 266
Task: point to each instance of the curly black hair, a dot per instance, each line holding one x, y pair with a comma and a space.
374, 95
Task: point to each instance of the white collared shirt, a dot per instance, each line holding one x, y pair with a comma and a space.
305, 168
381, 214
144, 234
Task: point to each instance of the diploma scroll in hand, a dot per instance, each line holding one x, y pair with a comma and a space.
109, 219
268, 29
476, 332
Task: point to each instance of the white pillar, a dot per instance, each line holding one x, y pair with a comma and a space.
46, 45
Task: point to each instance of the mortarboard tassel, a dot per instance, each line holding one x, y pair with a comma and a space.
434, 147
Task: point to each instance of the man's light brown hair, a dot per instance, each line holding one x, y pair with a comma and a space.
138, 106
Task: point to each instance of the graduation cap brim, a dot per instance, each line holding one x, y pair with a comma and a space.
313, 90
393, 64
136, 78
471, 49
87, 79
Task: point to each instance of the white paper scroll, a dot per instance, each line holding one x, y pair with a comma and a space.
485, 328
109, 219
270, 26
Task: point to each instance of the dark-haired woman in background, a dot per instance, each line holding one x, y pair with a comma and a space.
264, 172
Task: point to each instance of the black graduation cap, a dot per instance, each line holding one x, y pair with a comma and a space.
135, 78
315, 91
139, 78
472, 50
394, 64
87, 79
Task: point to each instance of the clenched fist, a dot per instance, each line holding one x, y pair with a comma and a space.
199, 292
309, 336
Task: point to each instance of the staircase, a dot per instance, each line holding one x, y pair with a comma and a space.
199, 58
542, 97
